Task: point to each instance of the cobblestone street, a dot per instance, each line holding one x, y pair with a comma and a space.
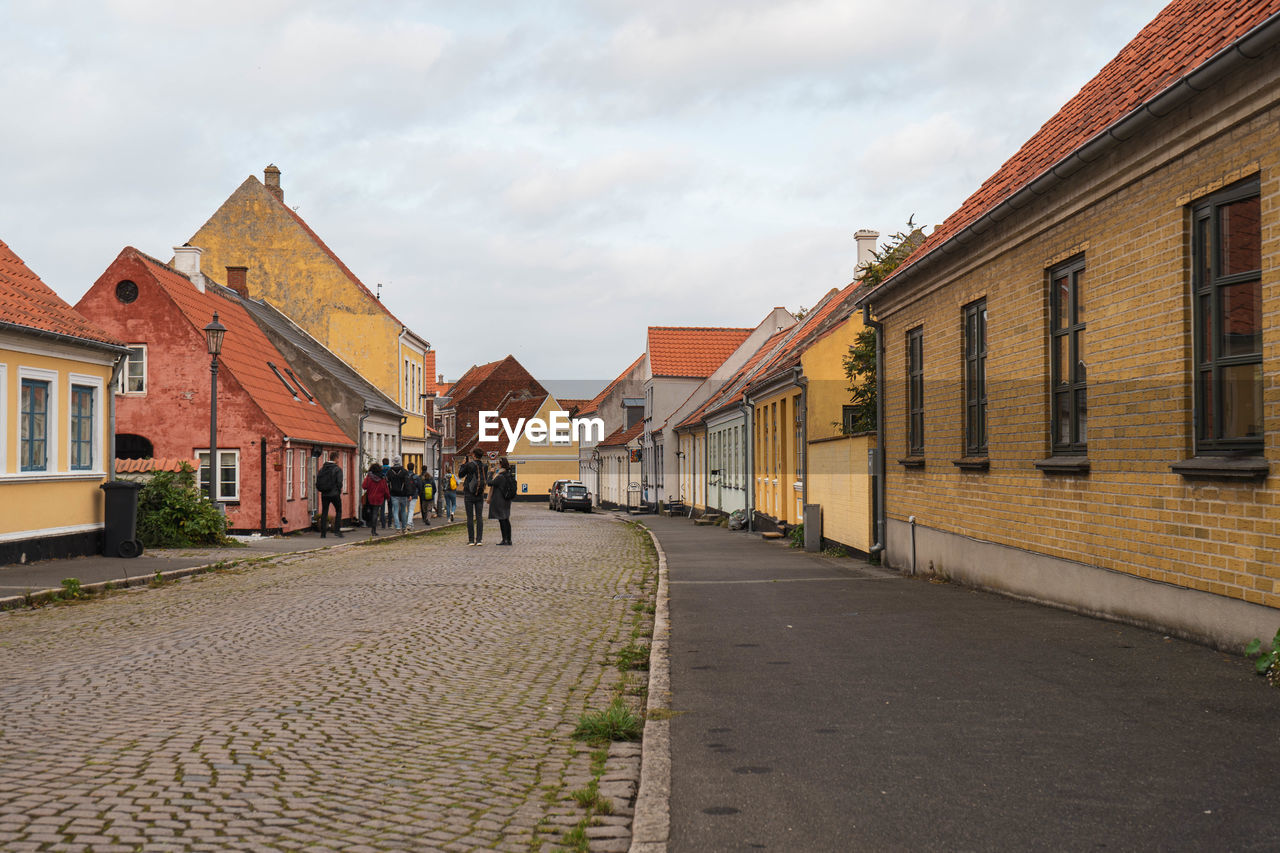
413, 695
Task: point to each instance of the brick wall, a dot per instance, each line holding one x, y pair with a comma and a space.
1129, 217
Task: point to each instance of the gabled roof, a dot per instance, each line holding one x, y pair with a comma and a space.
269, 316
732, 391
246, 353
691, 351
467, 382
622, 435
593, 405
512, 408
1183, 37
29, 303
833, 309
486, 387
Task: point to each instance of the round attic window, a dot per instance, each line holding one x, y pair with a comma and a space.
126, 291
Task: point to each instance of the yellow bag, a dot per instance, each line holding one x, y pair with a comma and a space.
427, 490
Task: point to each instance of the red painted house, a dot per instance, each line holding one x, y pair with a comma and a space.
271, 429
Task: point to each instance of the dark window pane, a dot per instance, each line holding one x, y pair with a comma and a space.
1204, 320
1208, 405
1062, 417
1082, 416
1060, 358
1241, 236
1204, 242
1241, 311
1242, 401
1061, 301
1079, 288
1081, 371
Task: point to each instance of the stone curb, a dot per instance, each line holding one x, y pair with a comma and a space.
45, 596
651, 826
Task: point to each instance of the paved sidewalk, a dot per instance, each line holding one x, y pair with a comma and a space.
20, 582
825, 705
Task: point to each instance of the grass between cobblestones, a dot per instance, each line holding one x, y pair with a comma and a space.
619, 720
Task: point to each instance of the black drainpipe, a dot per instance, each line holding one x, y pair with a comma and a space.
879, 491
262, 467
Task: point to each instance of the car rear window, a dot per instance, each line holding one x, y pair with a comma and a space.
577, 491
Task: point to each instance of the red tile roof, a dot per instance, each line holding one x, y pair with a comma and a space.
147, 466
732, 391
245, 354
27, 301
622, 435
833, 309
691, 351
1181, 38
593, 405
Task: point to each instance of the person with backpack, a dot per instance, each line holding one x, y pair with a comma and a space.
501, 495
449, 487
376, 495
474, 477
400, 484
425, 486
329, 485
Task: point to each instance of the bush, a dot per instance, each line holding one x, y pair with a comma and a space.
796, 535
172, 514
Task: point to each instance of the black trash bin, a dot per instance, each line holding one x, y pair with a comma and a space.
120, 522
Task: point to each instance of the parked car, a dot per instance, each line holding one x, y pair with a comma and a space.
554, 492
574, 496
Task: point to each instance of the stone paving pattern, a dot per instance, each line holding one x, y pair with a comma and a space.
414, 695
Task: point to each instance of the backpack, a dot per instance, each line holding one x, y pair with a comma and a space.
453, 483
509, 485
325, 480
398, 482
477, 487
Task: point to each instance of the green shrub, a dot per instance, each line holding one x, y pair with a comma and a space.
172, 514
1266, 661
796, 535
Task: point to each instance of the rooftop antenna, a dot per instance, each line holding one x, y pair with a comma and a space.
379, 291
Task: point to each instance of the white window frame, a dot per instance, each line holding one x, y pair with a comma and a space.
223, 453
98, 386
51, 421
122, 381
288, 474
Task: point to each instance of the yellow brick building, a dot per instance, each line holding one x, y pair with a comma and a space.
1081, 390
272, 254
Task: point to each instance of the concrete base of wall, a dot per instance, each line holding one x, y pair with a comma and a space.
1227, 624
83, 544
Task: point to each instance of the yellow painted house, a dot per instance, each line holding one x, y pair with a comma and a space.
270, 253
56, 395
538, 463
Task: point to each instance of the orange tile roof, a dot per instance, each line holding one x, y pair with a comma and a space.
1185, 35
622, 435
691, 351
731, 392
467, 382
835, 307
245, 353
147, 466
27, 301
593, 405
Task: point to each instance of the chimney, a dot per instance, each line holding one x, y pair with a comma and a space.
237, 280
271, 177
186, 260
866, 240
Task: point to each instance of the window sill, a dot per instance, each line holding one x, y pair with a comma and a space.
916, 462
1064, 465
972, 463
1223, 467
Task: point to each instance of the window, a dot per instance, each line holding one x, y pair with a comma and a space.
1067, 371
288, 475
915, 392
133, 373
228, 474
34, 415
1226, 251
82, 427
975, 378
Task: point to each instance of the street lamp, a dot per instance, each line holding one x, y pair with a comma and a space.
213, 334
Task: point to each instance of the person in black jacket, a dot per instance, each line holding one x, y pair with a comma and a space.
474, 478
329, 485
503, 489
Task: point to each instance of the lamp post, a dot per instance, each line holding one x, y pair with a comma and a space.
213, 334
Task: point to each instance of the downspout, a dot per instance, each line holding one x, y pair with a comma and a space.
881, 513
359, 466
803, 382
111, 416
262, 484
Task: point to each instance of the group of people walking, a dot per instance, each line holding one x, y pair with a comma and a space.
391, 490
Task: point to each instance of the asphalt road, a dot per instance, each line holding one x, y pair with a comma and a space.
825, 705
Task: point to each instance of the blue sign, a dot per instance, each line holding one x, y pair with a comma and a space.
524, 488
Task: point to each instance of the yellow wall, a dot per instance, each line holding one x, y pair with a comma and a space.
775, 454
828, 390
839, 481
60, 497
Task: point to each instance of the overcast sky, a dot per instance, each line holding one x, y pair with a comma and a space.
564, 174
